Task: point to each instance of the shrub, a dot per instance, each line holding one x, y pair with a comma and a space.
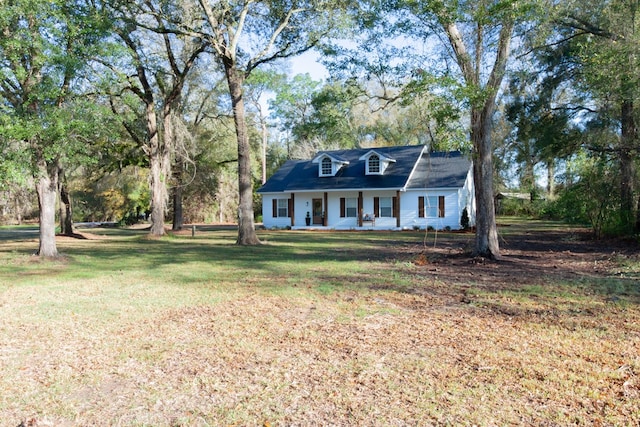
464, 219
593, 200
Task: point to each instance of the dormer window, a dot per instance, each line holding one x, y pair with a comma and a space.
375, 163
326, 167
329, 165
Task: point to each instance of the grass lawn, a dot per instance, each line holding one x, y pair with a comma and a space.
319, 328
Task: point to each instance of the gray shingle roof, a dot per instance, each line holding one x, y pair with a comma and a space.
440, 170
433, 170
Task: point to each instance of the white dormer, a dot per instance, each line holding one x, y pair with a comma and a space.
328, 165
375, 163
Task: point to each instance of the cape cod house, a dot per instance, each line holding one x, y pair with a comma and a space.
389, 188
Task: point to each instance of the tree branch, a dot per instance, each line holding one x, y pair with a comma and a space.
217, 40
500, 64
588, 27
234, 36
462, 55
556, 43
281, 27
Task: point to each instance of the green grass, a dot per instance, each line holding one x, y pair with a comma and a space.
322, 258
309, 328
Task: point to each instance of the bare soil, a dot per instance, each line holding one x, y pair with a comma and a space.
525, 257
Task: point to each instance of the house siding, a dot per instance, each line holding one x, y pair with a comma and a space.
411, 218
268, 218
454, 201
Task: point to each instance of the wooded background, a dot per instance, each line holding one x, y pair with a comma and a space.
177, 110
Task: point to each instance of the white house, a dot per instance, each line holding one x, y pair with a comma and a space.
388, 188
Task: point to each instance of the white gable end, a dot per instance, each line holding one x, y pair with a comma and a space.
375, 163
327, 165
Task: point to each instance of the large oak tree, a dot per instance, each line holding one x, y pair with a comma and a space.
44, 48
159, 62
477, 35
605, 43
244, 35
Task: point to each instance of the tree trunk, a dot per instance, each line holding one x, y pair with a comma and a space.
486, 230
66, 213
638, 215
18, 207
246, 227
165, 148
551, 181
178, 220
263, 124
627, 167
528, 179
47, 189
481, 124
158, 177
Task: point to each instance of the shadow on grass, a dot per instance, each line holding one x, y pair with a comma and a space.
213, 255
326, 260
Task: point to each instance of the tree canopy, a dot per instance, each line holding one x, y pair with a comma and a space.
197, 93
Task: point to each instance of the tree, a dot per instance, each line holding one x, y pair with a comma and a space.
259, 84
478, 36
44, 47
206, 150
245, 35
159, 82
585, 68
606, 39
331, 120
292, 107
544, 131
455, 47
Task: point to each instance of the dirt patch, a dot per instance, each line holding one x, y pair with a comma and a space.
80, 235
528, 257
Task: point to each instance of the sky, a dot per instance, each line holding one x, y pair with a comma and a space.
308, 62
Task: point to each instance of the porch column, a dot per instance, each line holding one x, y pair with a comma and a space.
325, 220
293, 209
399, 210
360, 208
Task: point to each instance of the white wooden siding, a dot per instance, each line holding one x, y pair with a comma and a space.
455, 202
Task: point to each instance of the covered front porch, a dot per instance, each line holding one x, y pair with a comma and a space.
343, 210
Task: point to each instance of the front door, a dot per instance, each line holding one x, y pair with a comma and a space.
317, 212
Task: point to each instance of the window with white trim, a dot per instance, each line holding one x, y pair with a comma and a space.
283, 208
351, 207
434, 207
386, 207
326, 167
373, 165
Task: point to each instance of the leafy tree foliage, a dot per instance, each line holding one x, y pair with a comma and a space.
158, 82
44, 49
188, 80
243, 36
593, 199
120, 196
478, 43
543, 133
583, 86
